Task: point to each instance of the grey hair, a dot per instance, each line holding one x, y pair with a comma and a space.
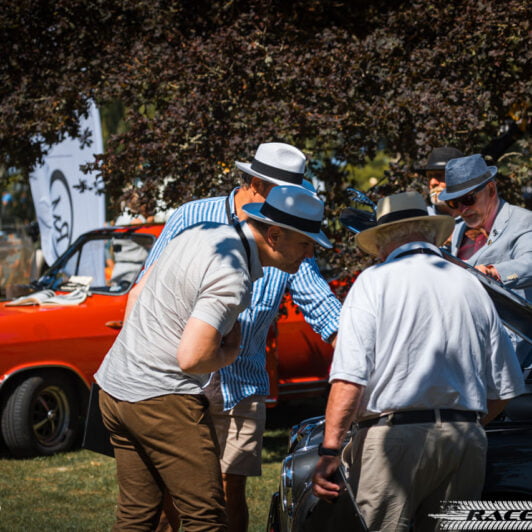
406, 232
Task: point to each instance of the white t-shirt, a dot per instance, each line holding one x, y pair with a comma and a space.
420, 333
203, 273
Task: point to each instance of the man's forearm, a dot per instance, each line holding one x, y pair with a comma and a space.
341, 409
202, 348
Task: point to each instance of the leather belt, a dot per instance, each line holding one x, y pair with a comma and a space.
421, 416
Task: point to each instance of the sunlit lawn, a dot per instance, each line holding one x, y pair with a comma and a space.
77, 490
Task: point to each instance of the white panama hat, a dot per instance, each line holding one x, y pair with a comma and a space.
292, 207
277, 163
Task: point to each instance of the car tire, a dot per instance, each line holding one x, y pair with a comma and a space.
41, 416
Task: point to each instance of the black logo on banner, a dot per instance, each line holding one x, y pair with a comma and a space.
485, 515
62, 212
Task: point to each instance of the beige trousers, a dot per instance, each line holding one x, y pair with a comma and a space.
401, 473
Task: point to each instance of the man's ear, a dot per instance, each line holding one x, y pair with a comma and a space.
272, 236
261, 188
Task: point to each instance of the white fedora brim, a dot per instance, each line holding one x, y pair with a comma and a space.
367, 239
253, 211
446, 195
246, 168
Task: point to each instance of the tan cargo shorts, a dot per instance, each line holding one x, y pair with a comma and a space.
239, 431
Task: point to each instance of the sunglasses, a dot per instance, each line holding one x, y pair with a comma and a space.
467, 201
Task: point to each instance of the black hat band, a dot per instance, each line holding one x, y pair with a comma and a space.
401, 215
303, 224
451, 189
295, 178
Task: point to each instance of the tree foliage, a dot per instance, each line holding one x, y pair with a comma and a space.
202, 83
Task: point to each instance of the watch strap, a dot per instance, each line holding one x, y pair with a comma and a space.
326, 451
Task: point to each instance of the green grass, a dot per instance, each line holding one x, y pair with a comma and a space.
77, 490
71, 491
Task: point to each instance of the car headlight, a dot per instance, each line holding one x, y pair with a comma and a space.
299, 434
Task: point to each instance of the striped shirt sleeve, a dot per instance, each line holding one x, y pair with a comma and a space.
311, 292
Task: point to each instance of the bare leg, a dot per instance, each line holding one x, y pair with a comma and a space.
169, 520
237, 509
236, 505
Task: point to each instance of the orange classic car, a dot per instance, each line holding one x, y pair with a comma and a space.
49, 352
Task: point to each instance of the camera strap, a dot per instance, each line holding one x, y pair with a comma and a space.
233, 220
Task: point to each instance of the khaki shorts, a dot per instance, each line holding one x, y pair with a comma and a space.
239, 431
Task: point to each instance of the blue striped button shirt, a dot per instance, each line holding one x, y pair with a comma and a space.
247, 375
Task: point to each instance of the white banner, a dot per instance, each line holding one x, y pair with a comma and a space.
66, 200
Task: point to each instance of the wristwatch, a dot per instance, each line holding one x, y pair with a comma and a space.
326, 451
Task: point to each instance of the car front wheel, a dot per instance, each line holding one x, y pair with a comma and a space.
41, 416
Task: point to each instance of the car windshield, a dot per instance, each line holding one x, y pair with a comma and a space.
112, 262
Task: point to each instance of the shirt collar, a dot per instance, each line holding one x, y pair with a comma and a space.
488, 226
409, 247
232, 201
256, 266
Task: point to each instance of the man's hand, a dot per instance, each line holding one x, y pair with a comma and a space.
230, 346
495, 407
323, 485
332, 339
490, 270
341, 407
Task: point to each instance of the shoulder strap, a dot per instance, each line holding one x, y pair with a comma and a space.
233, 220
228, 212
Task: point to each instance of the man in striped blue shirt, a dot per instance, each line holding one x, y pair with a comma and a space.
237, 392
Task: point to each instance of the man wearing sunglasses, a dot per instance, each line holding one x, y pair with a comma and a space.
493, 235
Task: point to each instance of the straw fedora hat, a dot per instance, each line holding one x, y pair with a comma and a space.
400, 208
277, 163
292, 207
